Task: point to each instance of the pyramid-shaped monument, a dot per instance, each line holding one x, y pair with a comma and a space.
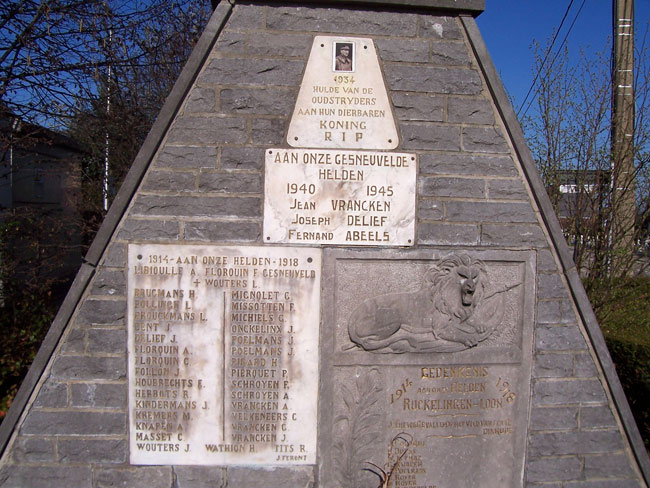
332, 264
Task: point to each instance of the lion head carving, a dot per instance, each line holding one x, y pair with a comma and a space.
457, 285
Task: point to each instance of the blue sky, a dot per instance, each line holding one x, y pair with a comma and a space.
510, 26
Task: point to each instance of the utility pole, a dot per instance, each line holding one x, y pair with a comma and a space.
623, 207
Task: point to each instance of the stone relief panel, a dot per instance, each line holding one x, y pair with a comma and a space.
456, 307
425, 368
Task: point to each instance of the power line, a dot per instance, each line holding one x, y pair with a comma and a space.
554, 57
548, 51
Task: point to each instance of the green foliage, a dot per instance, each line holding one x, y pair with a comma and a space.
603, 208
625, 322
31, 291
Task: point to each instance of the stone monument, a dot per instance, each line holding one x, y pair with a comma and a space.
332, 264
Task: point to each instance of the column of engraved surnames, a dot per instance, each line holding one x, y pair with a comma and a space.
223, 354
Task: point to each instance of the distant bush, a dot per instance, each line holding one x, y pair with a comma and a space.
32, 288
625, 322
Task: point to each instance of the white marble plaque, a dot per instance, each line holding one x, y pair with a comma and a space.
343, 101
353, 198
223, 354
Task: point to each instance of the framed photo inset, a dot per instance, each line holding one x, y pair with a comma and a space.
343, 57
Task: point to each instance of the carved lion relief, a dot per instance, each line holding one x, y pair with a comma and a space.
456, 308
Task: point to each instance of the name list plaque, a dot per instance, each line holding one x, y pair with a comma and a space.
223, 354
352, 198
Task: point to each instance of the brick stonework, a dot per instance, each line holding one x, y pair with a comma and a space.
205, 184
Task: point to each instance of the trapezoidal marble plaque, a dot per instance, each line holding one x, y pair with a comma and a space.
426, 368
353, 198
343, 101
223, 354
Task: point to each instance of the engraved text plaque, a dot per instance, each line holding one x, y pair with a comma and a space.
223, 354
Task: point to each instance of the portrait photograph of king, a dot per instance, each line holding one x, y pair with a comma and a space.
343, 56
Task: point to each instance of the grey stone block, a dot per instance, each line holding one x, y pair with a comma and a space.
555, 312
223, 231
404, 50
106, 451
150, 230
466, 164
430, 137
246, 17
169, 181
213, 206
115, 256
532, 484
186, 157
469, 111
604, 484
208, 130
75, 342
33, 450
550, 286
263, 101
449, 54
230, 182
278, 44
109, 341
596, 417
430, 209
512, 235
609, 466
201, 100
12, 476
554, 418
231, 42
546, 262
455, 81
295, 477
451, 187
267, 131
419, 107
109, 282
89, 368
341, 20
141, 476
584, 366
52, 395
99, 395
572, 443
553, 365
484, 139
559, 338
554, 469
439, 27
242, 158
74, 423
489, 211
199, 476
558, 392
448, 234
102, 312
244, 71
507, 190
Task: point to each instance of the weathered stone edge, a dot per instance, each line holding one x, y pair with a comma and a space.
119, 206
555, 231
474, 7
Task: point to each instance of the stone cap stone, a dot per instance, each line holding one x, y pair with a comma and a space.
473, 7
